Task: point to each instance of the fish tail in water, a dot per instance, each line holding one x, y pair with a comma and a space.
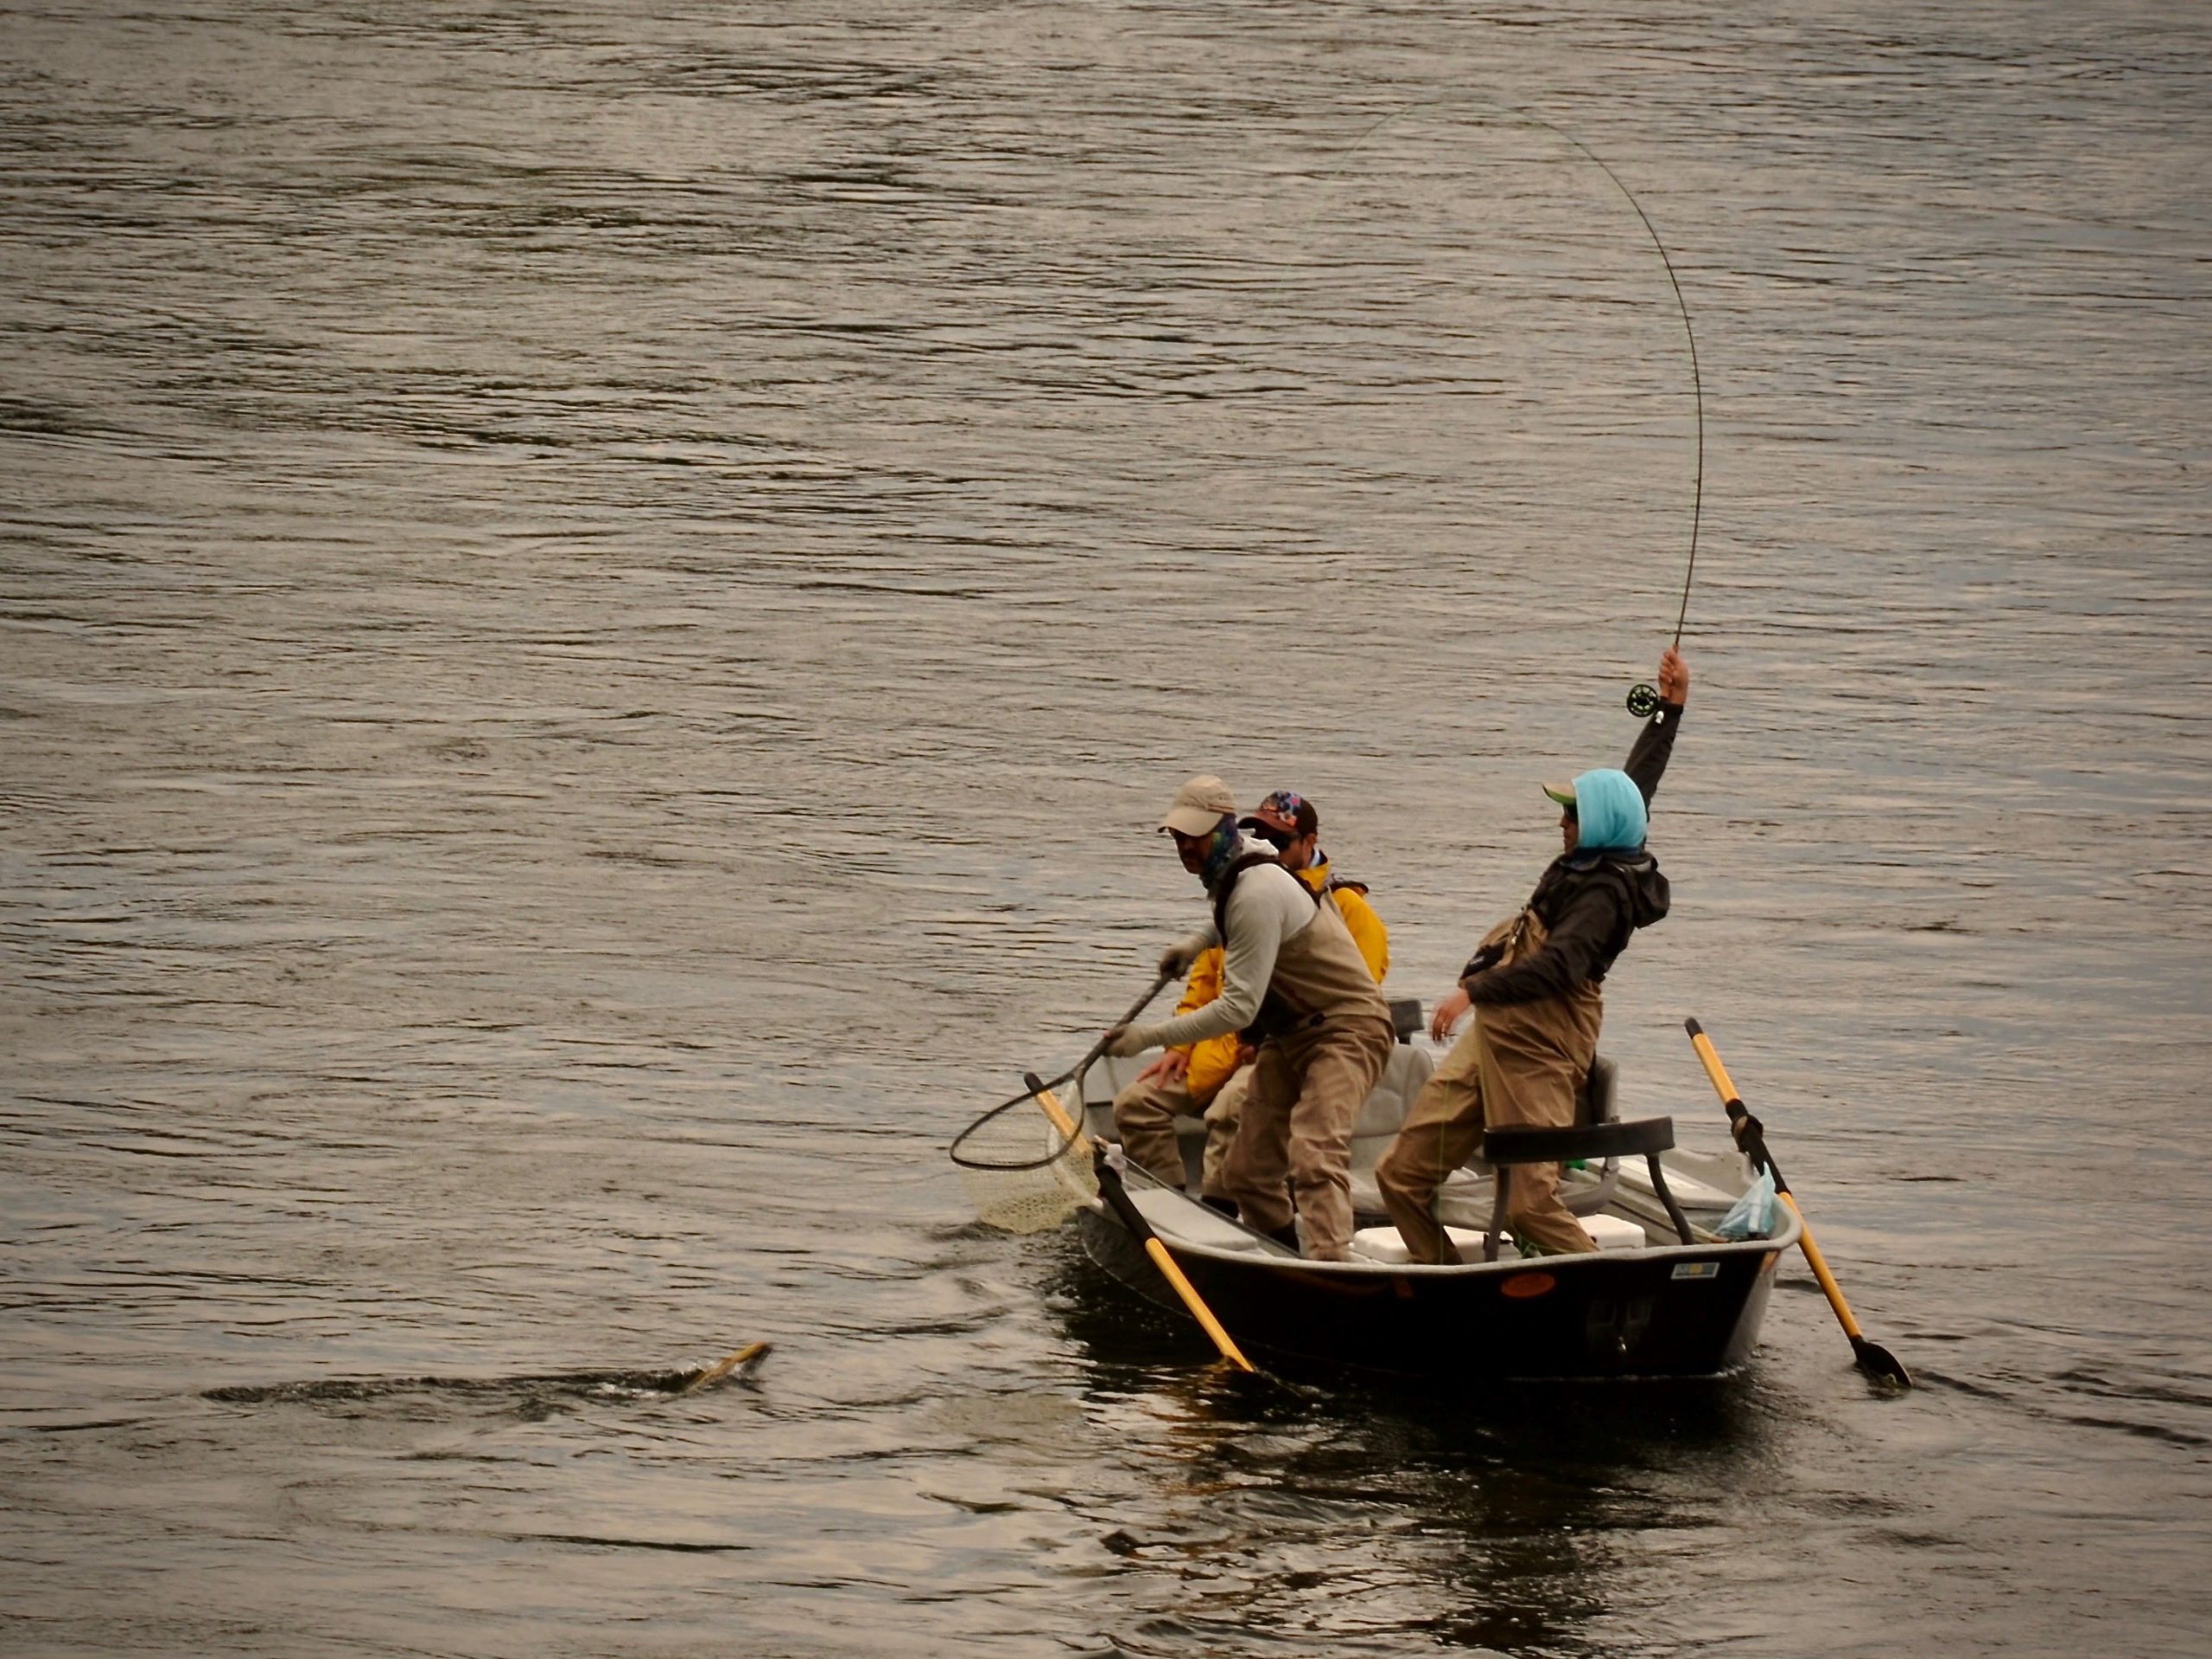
740, 1365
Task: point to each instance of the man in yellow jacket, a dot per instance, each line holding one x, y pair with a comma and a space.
1210, 1079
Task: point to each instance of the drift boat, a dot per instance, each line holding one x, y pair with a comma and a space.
1662, 1296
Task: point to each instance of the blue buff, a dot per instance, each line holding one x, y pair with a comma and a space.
1610, 808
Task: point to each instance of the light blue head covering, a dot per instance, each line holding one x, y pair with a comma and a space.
1609, 807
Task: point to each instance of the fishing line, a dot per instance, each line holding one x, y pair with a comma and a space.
1643, 699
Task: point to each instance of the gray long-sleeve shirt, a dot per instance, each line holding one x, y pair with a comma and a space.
1268, 908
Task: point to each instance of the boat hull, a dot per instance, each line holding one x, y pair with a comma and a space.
1693, 1311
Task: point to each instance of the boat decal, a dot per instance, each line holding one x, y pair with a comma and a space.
1696, 1270
1528, 1284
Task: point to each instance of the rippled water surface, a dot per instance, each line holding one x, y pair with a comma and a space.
595, 602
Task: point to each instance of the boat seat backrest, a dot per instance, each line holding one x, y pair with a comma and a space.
1531, 1144
1384, 1112
1598, 1103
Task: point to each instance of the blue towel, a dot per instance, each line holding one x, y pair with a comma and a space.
1610, 808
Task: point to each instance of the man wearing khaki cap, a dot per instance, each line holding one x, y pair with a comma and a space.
1212, 1078
1296, 986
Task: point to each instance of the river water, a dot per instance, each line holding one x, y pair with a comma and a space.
595, 604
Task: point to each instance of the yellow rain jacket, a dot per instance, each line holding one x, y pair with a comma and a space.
1213, 1061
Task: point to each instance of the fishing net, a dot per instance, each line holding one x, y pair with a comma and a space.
1026, 1163
1020, 1170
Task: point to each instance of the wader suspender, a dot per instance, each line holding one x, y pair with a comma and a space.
1275, 1014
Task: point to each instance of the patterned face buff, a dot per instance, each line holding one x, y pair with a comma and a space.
1222, 848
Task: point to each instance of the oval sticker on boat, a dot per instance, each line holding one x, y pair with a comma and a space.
1528, 1284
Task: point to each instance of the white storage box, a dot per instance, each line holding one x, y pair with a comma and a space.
1382, 1244
1612, 1233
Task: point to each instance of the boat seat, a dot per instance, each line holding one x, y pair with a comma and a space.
1508, 1148
1465, 1197
1598, 1101
1381, 1118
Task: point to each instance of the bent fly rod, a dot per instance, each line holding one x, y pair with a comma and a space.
1643, 698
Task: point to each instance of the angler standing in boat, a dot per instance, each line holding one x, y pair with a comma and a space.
1210, 1079
1296, 985
1291, 825
1533, 986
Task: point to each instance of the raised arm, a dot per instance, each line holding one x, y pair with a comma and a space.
1655, 744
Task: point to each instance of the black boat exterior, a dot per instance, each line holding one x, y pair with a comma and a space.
1684, 1312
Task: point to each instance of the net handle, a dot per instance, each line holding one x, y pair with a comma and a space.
1074, 1072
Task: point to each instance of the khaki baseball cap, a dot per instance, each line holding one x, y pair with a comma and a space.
1202, 802
1563, 793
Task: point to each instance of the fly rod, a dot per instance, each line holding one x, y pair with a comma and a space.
1643, 698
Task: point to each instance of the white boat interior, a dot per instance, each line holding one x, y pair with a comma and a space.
1616, 1201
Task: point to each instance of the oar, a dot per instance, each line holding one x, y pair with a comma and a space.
1750, 1136
1118, 1199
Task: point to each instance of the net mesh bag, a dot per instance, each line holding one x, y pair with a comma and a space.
1021, 1172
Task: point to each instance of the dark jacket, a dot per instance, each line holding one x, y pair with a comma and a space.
1589, 903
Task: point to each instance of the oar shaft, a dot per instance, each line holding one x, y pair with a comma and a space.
1737, 1115
1710, 1058
1059, 1114
1117, 1198
1829, 1288
1196, 1303
1723, 1084
1733, 1103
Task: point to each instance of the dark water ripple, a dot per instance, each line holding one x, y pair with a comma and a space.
593, 608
